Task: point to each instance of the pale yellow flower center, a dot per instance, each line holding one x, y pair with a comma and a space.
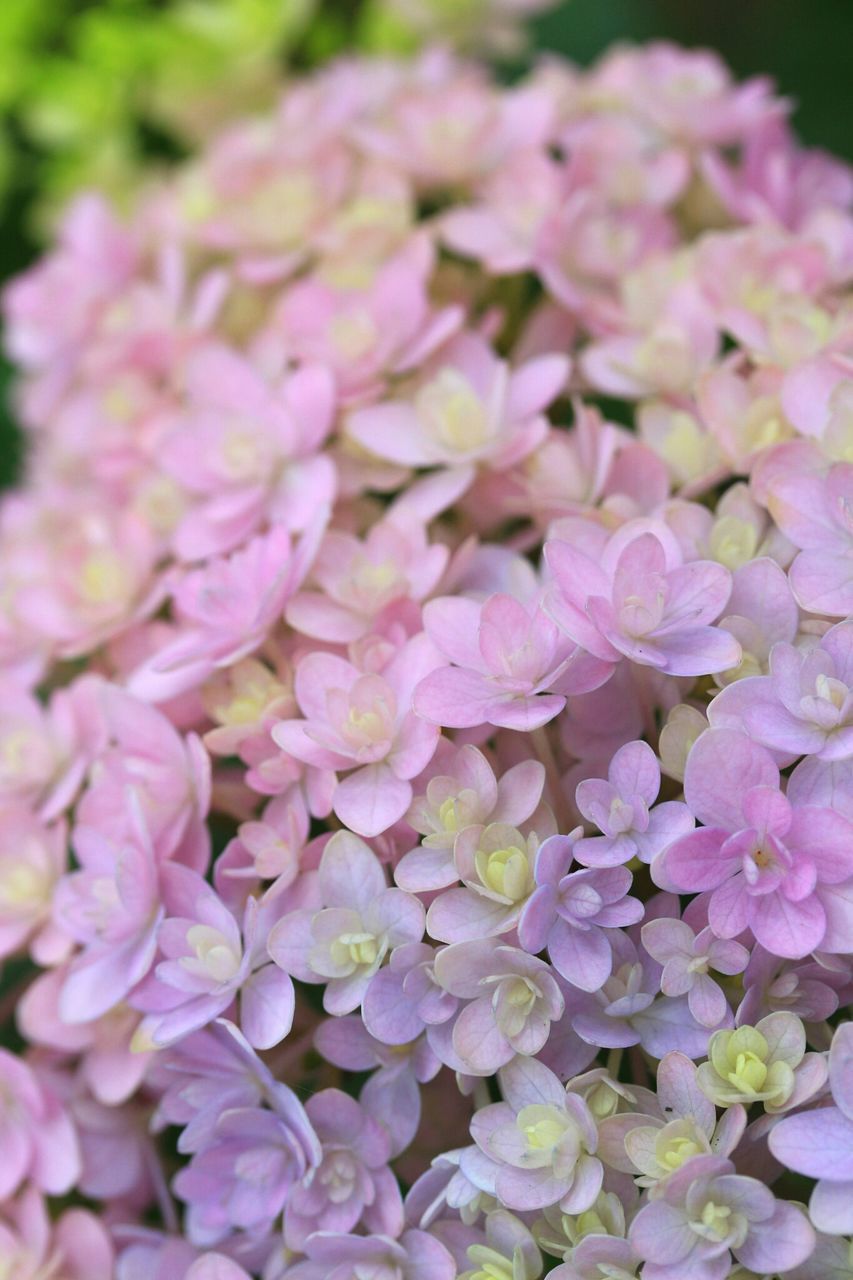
355, 948
102, 578
212, 953
453, 412
505, 871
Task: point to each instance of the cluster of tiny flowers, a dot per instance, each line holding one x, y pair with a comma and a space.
426, 695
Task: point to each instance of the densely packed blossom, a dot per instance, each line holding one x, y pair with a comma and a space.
426, 694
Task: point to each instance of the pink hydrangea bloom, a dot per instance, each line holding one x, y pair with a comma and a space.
812, 508
78, 1244
633, 597
686, 958
209, 961
540, 1142
474, 409
246, 452
40, 1143
804, 706
352, 1183
361, 722
332, 602
622, 810
572, 913
359, 582
512, 668
415, 1256
344, 942
818, 1142
512, 1000
784, 872
735, 1214
113, 907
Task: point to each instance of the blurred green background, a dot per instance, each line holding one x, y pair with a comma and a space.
98, 83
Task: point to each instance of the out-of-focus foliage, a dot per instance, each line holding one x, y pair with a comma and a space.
89, 91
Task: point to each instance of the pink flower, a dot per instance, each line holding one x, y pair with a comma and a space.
813, 508
53, 307
249, 452
209, 962
226, 609
513, 668
32, 861
785, 872
474, 409
364, 722
622, 809
365, 335
665, 356
588, 246
819, 1142
670, 1125
415, 1256
148, 767
45, 750
279, 1146
113, 907
640, 601
573, 913
501, 228
39, 1140
512, 999
352, 1184
32, 1246
347, 939
734, 1213
392, 1094
778, 181
761, 612
495, 864
686, 958
111, 1070
470, 795
540, 1142
361, 581
627, 1009
804, 706
88, 575
689, 94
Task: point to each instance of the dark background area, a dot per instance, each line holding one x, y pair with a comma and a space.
805, 45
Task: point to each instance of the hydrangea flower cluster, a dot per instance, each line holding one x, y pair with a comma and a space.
426, 672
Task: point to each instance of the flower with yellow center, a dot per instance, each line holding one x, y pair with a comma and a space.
488, 1264
658, 1152
353, 334
102, 578
744, 1068
543, 1128
453, 414
241, 695
213, 956
674, 1150
504, 864
763, 425
558, 1232
355, 949
371, 585
241, 453
280, 213
25, 888
688, 450
733, 541
716, 1222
